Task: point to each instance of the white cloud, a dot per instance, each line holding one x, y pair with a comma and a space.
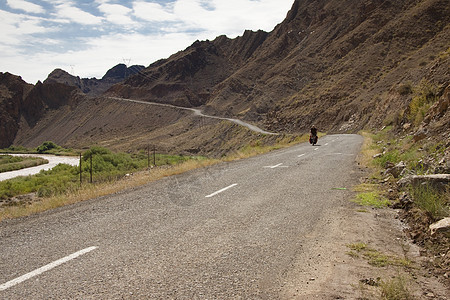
215, 17
153, 12
117, 14
76, 15
157, 31
25, 6
102, 54
17, 28
232, 16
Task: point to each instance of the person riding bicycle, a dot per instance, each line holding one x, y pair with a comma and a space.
313, 131
313, 137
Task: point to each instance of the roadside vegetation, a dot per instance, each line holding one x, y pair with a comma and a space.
393, 287
375, 257
393, 157
369, 195
12, 163
104, 172
47, 147
98, 165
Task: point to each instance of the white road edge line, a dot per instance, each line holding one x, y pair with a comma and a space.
222, 190
45, 268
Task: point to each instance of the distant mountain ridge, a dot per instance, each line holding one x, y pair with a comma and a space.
94, 86
26, 104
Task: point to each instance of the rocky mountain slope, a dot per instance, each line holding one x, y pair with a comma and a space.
12, 92
94, 86
23, 105
334, 63
342, 65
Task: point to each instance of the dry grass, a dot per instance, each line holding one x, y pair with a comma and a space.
367, 151
396, 289
376, 258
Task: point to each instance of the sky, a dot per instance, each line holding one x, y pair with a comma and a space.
88, 37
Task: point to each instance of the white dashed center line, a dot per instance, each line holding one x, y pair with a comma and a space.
276, 166
45, 268
220, 191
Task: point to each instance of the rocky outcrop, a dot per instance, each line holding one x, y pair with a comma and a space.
43, 97
121, 72
93, 86
440, 226
12, 92
23, 102
438, 181
189, 77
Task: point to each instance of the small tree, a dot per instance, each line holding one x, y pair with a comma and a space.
46, 146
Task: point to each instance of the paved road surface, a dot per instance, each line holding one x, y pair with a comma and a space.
53, 161
242, 229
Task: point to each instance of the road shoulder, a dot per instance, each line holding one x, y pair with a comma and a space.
335, 272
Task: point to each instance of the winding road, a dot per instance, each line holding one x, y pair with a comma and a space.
251, 229
199, 113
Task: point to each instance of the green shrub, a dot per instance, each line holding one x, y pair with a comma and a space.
393, 157
372, 199
435, 203
15, 149
46, 147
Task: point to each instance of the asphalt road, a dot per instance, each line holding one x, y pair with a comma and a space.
235, 230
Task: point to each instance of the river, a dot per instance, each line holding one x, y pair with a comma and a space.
53, 161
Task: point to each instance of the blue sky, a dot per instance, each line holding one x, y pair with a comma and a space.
88, 37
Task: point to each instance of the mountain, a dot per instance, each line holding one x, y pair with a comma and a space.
12, 92
94, 86
335, 63
22, 105
342, 65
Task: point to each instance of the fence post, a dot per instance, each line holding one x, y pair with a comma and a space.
91, 167
148, 157
80, 169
